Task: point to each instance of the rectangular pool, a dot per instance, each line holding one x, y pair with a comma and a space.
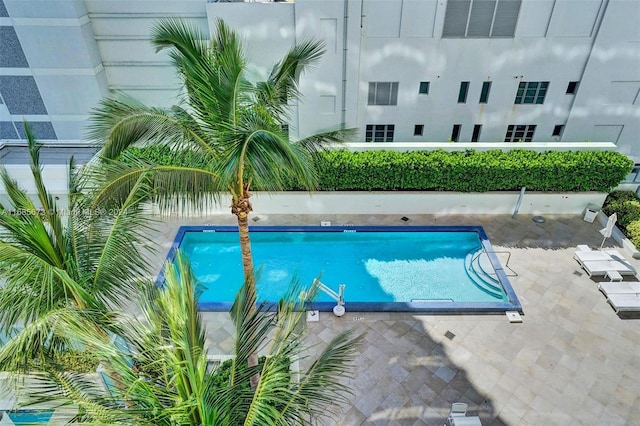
422, 269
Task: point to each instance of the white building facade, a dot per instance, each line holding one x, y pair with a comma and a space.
397, 70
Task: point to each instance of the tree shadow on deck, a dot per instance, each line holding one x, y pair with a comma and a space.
410, 370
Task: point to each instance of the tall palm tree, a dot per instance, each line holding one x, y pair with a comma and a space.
173, 383
234, 125
57, 259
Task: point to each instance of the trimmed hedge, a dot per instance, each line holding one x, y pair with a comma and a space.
71, 360
462, 171
627, 206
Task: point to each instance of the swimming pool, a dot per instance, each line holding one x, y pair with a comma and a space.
29, 417
430, 268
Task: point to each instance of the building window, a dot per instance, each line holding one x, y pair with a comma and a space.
455, 132
531, 92
383, 93
476, 132
520, 133
379, 133
462, 94
557, 130
418, 129
424, 88
572, 87
285, 129
484, 94
481, 18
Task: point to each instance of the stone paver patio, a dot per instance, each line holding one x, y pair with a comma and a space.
572, 360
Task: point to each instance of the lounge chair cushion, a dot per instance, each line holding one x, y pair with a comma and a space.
622, 302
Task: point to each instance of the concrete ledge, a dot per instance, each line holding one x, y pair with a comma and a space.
480, 146
407, 203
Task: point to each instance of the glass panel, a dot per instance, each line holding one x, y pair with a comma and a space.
383, 93
455, 133
504, 23
393, 100
424, 87
480, 18
484, 94
476, 132
462, 95
455, 18
372, 94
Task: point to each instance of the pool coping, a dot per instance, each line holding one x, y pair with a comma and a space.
512, 304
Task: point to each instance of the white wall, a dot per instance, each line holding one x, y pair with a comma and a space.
123, 37
55, 176
407, 203
399, 40
81, 50
607, 106
58, 42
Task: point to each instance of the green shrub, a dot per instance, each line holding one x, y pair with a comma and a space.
626, 204
223, 373
71, 360
463, 171
615, 202
633, 232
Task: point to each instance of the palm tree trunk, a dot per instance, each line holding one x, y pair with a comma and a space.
241, 207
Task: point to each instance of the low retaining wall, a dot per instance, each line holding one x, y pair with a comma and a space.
538, 203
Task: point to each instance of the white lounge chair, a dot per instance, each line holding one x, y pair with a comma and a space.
624, 302
587, 256
458, 409
601, 267
458, 416
619, 287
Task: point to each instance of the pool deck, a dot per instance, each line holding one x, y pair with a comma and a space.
571, 361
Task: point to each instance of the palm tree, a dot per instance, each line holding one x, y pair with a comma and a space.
56, 262
234, 126
173, 384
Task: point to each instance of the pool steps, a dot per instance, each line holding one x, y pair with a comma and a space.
483, 276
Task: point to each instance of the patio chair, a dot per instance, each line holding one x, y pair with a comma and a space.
458, 409
591, 255
624, 302
601, 267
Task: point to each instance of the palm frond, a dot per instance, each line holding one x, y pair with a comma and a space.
33, 286
47, 202
282, 85
119, 123
326, 140
40, 337
173, 187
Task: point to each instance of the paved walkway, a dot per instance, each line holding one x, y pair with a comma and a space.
572, 360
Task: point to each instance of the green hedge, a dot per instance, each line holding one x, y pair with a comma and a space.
71, 360
626, 205
463, 171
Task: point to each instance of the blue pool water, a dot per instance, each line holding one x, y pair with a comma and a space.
30, 417
391, 268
